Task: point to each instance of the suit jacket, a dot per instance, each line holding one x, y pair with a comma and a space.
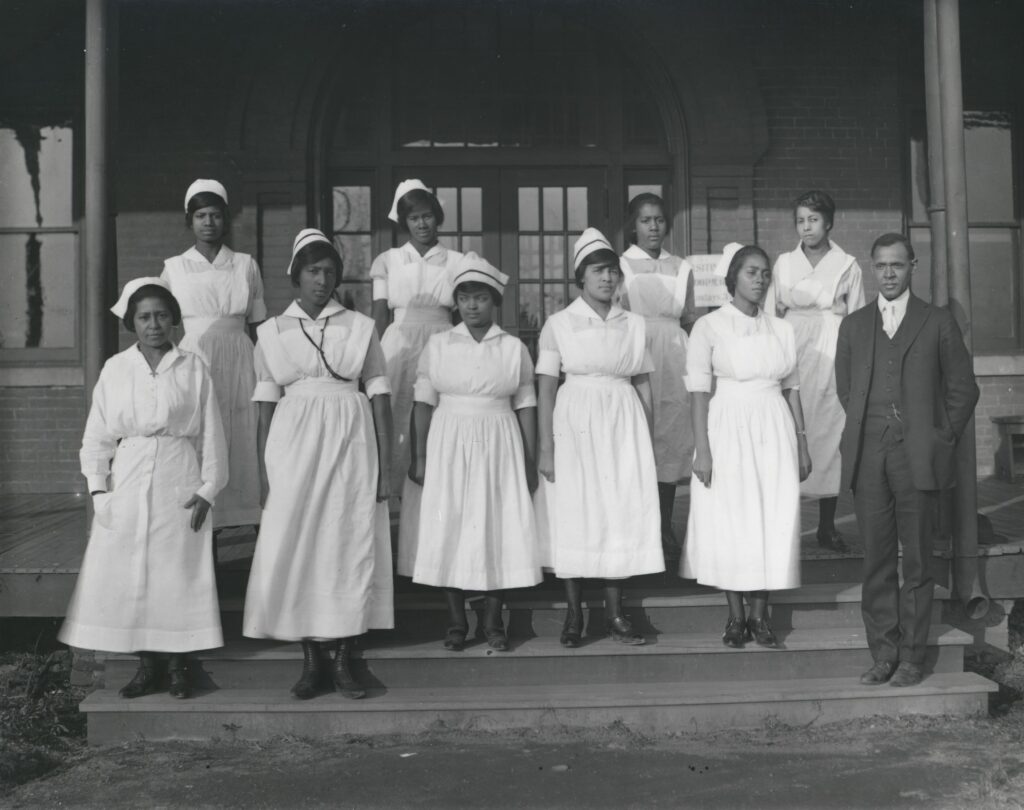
938, 389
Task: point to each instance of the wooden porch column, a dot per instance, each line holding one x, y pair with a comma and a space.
100, 268
946, 155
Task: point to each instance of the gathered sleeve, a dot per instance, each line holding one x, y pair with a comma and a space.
257, 312
267, 389
549, 357
98, 441
213, 446
423, 389
699, 375
855, 288
526, 394
375, 373
791, 380
379, 275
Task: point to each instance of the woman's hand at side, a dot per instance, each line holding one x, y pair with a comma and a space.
803, 456
702, 465
418, 469
200, 509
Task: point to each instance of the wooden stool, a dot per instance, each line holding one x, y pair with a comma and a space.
1010, 452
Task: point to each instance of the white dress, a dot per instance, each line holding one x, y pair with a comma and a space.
479, 532
419, 291
600, 517
322, 567
147, 580
743, 532
217, 301
657, 289
815, 300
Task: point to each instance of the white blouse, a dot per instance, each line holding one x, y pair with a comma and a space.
176, 399
406, 279
499, 366
655, 288
230, 286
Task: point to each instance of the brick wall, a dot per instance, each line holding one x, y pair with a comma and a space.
40, 433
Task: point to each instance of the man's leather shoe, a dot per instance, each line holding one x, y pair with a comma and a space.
880, 672
907, 674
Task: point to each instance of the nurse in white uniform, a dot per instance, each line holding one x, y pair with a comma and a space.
147, 583
814, 287
743, 534
475, 456
659, 286
221, 297
322, 567
598, 510
412, 300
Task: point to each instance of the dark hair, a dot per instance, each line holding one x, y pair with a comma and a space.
473, 287
819, 202
599, 256
150, 291
633, 213
737, 262
891, 239
207, 199
311, 254
418, 197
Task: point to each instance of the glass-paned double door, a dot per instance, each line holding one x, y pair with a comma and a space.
525, 222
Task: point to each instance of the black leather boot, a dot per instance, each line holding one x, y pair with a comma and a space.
146, 680
619, 627
177, 668
458, 624
311, 678
494, 628
344, 680
572, 630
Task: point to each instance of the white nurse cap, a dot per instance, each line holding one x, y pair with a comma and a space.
307, 236
722, 268
209, 186
476, 268
404, 188
121, 307
590, 240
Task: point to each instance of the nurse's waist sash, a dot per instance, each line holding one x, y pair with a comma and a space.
596, 379
423, 315
728, 388
473, 405
197, 326
320, 387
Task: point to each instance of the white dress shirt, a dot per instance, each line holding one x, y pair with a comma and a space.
893, 311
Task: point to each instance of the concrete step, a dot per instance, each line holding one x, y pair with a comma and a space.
259, 714
398, 662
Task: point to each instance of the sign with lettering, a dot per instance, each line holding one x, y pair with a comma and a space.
708, 289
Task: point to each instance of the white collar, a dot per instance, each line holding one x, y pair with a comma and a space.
171, 357
463, 331
899, 303
436, 250
636, 252
224, 256
581, 307
332, 307
734, 311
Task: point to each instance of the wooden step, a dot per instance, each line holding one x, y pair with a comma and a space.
259, 714
400, 663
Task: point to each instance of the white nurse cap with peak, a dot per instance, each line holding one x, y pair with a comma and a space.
209, 186
722, 268
133, 286
590, 240
306, 237
472, 267
404, 188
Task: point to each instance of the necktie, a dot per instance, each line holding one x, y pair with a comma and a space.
889, 319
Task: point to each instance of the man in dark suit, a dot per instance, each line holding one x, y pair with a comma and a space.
906, 381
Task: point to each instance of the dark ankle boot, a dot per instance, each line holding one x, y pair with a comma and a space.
458, 624
344, 680
494, 628
311, 678
146, 680
177, 668
618, 626
572, 630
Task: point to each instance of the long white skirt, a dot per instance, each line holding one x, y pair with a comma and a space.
229, 351
147, 581
743, 532
322, 567
600, 517
817, 333
477, 529
403, 343
673, 426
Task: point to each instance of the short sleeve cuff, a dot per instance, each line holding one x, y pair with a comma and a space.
208, 492
266, 391
698, 383
424, 392
377, 387
96, 482
648, 366
549, 362
259, 311
524, 397
380, 289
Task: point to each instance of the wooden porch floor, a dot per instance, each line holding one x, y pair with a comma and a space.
43, 537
